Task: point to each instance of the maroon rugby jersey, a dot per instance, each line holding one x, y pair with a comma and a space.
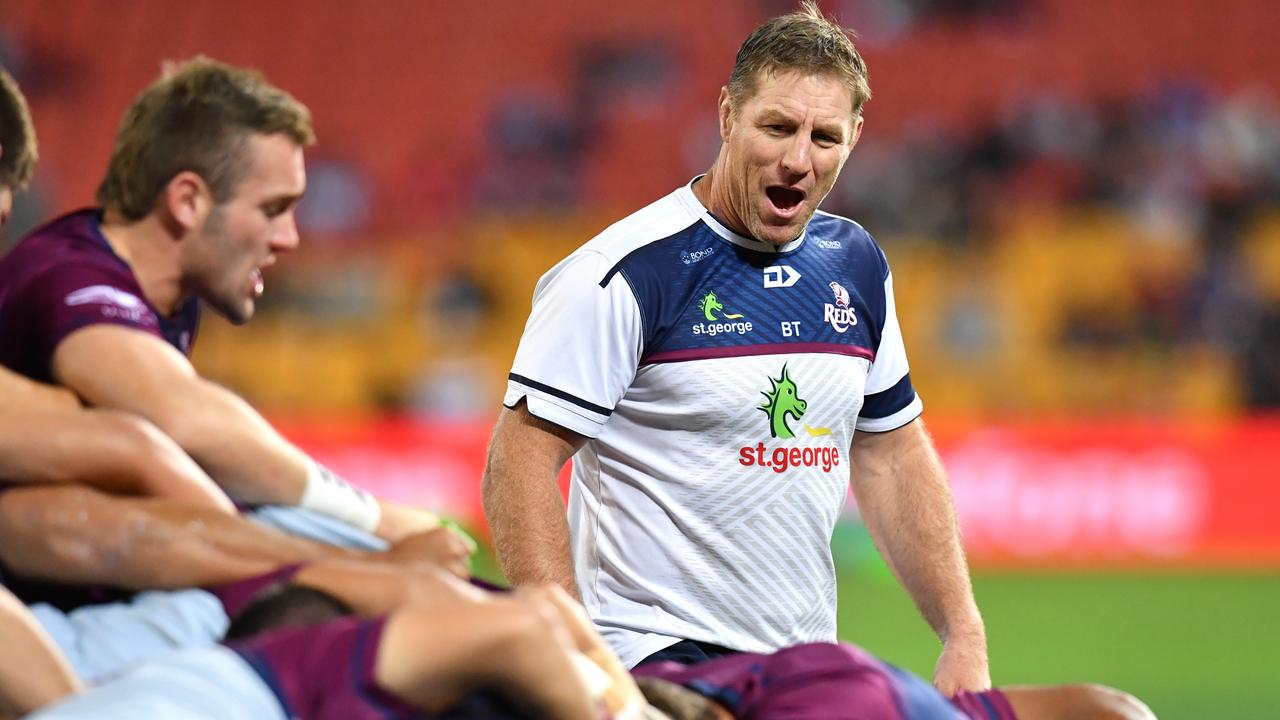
326, 671
65, 276
824, 681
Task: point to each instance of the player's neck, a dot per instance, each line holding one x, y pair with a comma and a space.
152, 253
712, 192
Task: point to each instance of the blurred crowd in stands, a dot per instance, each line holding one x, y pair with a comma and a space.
1193, 173
1056, 251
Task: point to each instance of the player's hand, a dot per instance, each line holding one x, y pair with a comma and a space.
400, 521
963, 665
439, 546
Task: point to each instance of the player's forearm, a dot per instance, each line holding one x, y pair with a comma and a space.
114, 452
530, 531
904, 499
257, 465
20, 392
33, 673
234, 444
535, 671
127, 370
377, 588
79, 536
522, 501
622, 697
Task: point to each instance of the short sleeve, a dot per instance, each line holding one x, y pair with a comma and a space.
581, 345
890, 401
69, 297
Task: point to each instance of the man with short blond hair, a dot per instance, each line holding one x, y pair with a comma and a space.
45, 436
706, 361
199, 117
197, 201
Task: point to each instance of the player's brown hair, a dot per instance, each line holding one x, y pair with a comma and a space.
198, 116
806, 41
18, 152
282, 606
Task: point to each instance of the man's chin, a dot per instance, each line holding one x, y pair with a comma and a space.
779, 234
780, 231
236, 314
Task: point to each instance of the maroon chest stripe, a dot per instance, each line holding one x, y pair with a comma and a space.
674, 356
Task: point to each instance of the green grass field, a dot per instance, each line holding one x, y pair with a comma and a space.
1194, 646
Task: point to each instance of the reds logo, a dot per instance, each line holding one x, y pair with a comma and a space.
842, 295
840, 316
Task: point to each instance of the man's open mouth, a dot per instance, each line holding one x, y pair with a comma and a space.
784, 198
259, 285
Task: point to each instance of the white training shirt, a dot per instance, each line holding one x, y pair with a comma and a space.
719, 380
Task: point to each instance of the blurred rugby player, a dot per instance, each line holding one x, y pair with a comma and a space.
58, 525
198, 199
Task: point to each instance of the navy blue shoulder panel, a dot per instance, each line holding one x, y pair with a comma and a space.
665, 273
864, 261
701, 296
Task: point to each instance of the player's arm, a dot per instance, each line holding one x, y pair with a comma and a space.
621, 697
33, 673
376, 588
20, 392
126, 369
903, 496
45, 436
522, 500
515, 646
1068, 702
77, 535
114, 452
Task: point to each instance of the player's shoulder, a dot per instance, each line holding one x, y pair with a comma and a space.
72, 240
837, 232
831, 233
622, 242
668, 216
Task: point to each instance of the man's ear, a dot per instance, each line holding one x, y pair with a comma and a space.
857, 132
186, 200
726, 113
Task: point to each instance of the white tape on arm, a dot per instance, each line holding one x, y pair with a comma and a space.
328, 494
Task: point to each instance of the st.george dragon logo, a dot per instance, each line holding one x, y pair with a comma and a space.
717, 320
782, 406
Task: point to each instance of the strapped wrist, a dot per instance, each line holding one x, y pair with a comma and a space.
329, 494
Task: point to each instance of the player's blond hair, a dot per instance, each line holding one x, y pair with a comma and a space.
198, 116
805, 41
18, 152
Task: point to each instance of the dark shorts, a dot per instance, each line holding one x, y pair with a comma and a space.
688, 652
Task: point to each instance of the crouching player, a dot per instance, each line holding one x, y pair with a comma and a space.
431, 646
435, 647
829, 680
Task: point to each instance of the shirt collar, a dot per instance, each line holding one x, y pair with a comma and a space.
690, 201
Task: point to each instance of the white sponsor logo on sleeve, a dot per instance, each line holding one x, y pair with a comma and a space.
103, 295
116, 303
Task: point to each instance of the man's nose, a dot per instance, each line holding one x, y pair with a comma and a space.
796, 160
286, 236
